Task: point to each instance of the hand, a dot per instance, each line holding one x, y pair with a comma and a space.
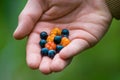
86, 20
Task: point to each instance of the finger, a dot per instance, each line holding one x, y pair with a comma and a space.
75, 47
33, 51
58, 64
45, 65
27, 19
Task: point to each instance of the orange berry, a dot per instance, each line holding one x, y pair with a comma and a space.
50, 38
50, 46
55, 31
65, 41
58, 31
52, 35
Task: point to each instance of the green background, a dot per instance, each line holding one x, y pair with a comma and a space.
101, 62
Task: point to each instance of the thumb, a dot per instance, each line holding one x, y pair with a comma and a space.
27, 19
75, 47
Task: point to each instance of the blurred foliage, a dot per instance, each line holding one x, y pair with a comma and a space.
101, 62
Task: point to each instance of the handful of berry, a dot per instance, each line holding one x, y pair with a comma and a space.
53, 43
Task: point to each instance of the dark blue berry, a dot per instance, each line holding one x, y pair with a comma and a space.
44, 51
64, 36
58, 48
65, 32
51, 53
42, 43
57, 39
43, 35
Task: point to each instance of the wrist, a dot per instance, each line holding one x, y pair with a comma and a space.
114, 7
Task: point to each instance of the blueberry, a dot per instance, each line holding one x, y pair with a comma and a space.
65, 36
51, 53
44, 51
65, 32
57, 39
43, 35
58, 48
42, 43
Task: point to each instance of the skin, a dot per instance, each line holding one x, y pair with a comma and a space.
86, 20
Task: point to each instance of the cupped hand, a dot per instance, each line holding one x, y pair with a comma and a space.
87, 21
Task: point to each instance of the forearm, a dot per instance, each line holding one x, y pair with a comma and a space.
114, 7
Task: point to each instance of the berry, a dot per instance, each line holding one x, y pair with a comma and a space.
51, 53
57, 39
50, 38
56, 31
43, 35
65, 41
50, 46
42, 43
58, 48
44, 51
65, 36
65, 32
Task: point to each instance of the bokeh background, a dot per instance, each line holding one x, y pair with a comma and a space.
101, 62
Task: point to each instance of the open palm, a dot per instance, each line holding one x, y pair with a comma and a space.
86, 20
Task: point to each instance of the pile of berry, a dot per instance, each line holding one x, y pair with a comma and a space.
53, 43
